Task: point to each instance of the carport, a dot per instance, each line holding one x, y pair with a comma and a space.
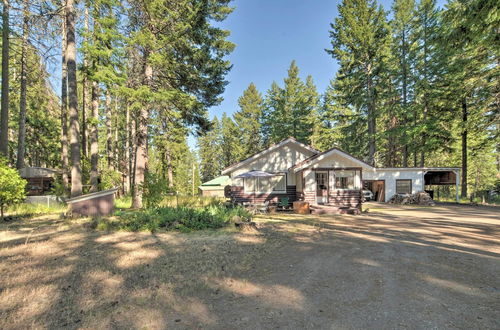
443, 177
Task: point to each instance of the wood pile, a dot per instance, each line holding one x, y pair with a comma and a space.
420, 198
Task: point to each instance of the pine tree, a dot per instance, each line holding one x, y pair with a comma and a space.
288, 110
272, 106
471, 82
403, 48
360, 41
247, 119
74, 131
185, 67
4, 111
210, 152
232, 142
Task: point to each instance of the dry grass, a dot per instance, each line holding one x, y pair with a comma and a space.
55, 273
296, 272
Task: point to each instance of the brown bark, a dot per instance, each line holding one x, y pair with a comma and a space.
109, 132
133, 151
4, 116
21, 142
64, 111
126, 184
141, 158
371, 118
94, 146
464, 148
74, 132
170, 173
85, 88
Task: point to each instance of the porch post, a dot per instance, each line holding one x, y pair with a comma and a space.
457, 183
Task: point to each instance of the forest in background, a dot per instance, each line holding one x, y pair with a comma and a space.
417, 86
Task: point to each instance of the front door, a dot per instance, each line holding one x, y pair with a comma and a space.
322, 187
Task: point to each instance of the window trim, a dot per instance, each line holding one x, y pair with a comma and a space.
411, 186
354, 179
284, 174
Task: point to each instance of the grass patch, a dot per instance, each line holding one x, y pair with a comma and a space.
125, 202
29, 210
183, 219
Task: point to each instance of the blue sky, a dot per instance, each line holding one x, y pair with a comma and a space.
269, 34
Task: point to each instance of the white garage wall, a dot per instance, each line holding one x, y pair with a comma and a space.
391, 175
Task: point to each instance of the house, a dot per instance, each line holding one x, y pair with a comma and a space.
333, 177
40, 180
215, 187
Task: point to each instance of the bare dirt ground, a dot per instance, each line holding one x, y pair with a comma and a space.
394, 267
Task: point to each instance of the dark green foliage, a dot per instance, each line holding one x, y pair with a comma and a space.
247, 122
210, 150
290, 111
156, 188
179, 218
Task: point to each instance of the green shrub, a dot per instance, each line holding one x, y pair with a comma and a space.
180, 218
191, 201
155, 190
110, 179
11, 187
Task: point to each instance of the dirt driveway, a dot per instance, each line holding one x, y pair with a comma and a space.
391, 268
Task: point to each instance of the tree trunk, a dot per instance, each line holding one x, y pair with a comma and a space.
133, 150
126, 187
94, 143
74, 132
85, 87
21, 142
4, 116
424, 136
405, 99
64, 111
371, 118
464, 148
109, 132
170, 174
141, 157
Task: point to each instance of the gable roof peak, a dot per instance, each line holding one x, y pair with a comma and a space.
272, 147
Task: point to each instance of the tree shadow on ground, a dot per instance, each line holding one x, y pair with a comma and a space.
371, 271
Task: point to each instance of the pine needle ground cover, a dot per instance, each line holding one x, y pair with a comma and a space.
435, 267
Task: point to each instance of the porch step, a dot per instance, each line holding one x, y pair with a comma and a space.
329, 209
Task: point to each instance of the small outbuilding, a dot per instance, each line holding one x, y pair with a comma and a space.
215, 187
40, 180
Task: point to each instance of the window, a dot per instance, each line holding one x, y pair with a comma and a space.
403, 186
276, 183
321, 181
346, 180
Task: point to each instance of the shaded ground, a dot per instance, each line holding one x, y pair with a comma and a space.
395, 267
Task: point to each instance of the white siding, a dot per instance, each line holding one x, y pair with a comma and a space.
310, 180
279, 160
298, 181
337, 160
390, 177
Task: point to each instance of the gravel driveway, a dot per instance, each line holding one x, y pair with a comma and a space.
394, 268
390, 268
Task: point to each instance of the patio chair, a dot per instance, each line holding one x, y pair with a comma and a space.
263, 208
284, 203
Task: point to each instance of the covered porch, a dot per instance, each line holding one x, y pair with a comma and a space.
332, 189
